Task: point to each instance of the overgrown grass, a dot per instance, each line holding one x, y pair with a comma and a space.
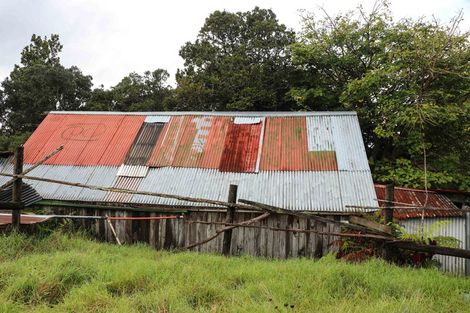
62, 273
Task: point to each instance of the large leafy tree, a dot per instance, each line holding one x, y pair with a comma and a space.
38, 85
239, 61
409, 81
133, 93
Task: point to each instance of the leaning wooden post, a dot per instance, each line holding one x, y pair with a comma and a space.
232, 198
16, 190
389, 200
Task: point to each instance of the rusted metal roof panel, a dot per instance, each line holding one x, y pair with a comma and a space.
439, 205
168, 143
143, 144
285, 148
349, 146
25, 219
241, 148
87, 139
188, 141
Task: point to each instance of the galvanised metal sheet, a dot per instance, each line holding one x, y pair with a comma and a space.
453, 227
121, 182
315, 191
191, 141
157, 119
349, 146
132, 170
440, 204
285, 148
357, 189
87, 139
320, 133
241, 148
143, 144
100, 176
28, 195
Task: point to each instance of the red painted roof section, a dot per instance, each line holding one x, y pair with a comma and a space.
241, 148
285, 148
87, 139
191, 141
439, 205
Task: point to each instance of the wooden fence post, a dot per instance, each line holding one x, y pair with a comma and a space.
388, 216
232, 198
389, 199
16, 190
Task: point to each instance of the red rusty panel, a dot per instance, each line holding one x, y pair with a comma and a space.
191, 148
168, 142
215, 144
191, 141
285, 148
241, 148
87, 139
40, 137
440, 206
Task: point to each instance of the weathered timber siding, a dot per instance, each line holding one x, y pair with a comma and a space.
178, 233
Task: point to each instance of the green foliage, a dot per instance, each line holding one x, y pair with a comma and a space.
71, 274
429, 234
40, 84
133, 93
408, 80
240, 61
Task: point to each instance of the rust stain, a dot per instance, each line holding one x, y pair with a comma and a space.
285, 148
241, 148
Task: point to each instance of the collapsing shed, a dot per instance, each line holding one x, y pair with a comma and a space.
307, 161
439, 209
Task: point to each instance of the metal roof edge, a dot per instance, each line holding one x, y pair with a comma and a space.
231, 113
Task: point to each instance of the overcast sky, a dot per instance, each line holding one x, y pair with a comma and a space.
108, 39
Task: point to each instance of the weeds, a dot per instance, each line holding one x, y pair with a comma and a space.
63, 273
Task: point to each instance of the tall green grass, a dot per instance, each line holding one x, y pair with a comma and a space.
62, 273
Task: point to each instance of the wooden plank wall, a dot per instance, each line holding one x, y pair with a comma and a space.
178, 233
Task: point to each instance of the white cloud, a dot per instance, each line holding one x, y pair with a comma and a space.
110, 38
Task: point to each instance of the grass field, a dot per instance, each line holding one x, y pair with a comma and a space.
73, 274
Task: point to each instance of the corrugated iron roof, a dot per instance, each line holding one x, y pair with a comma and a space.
143, 144
242, 142
28, 195
87, 139
439, 205
298, 160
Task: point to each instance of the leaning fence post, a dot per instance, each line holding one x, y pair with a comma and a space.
16, 190
232, 198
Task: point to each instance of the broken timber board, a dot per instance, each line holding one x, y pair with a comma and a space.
370, 224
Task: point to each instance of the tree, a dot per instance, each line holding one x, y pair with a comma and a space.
409, 82
133, 93
38, 85
239, 61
